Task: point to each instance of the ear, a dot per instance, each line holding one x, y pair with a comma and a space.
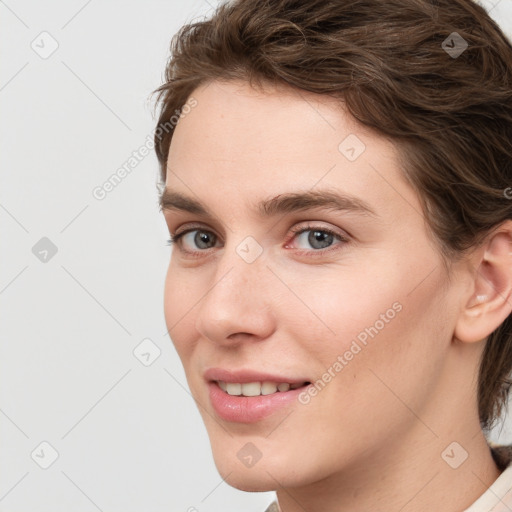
490, 300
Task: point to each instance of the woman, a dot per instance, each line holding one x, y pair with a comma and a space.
337, 189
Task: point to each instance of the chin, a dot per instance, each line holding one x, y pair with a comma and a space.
265, 475
251, 483
249, 480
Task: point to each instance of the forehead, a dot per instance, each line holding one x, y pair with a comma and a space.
234, 121
278, 116
246, 144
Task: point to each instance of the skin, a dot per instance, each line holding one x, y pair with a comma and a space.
375, 434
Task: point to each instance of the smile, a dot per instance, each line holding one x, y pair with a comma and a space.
263, 399
257, 388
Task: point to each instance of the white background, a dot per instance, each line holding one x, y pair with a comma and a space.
128, 436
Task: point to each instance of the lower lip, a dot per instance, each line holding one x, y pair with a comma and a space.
249, 409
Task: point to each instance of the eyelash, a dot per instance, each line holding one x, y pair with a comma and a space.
174, 240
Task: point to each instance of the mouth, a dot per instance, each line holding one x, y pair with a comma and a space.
252, 402
258, 388
249, 395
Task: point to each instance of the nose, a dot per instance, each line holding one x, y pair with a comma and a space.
238, 303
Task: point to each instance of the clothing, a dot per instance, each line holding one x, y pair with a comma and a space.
273, 507
497, 498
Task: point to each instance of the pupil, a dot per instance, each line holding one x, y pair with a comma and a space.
320, 237
201, 237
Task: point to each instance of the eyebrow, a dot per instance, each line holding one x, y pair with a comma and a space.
278, 205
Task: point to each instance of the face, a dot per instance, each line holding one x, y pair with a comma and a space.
273, 284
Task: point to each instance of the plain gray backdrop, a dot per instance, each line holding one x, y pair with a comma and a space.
95, 408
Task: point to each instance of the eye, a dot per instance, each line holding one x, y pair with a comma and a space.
317, 237
194, 241
197, 238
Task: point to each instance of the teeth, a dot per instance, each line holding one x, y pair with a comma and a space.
256, 388
233, 389
251, 389
267, 388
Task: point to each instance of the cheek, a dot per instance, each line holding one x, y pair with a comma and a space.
367, 331
335, 305
383, 365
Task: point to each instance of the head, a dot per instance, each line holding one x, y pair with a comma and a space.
282, 107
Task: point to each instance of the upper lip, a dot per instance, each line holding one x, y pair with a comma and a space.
244, 376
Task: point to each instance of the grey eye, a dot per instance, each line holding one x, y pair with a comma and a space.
200, 239
318, 239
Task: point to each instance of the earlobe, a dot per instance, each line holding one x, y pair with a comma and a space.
490, 302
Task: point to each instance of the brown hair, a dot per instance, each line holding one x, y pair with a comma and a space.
389, 62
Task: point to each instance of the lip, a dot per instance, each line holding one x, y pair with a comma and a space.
244, 376
250, 409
